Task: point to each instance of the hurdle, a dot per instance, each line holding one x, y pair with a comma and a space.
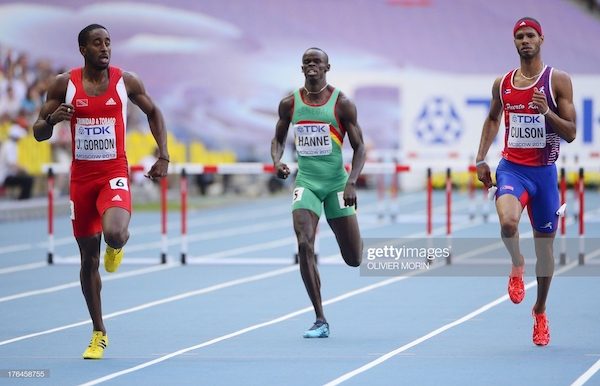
472, 208
394, 188
579, 209
429, 204
563, 229
183, 187
574, 169
163, 219
581, 189
185, 169
50, 256
449, 212
51, 169
429, 208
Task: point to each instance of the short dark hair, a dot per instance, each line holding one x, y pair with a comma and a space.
318, 49
85, 33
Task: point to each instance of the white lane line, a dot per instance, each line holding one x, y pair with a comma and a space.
16, 248
273, 321
242, 250
244, 330
231, 252
448, 326
194, 260
214, 288
587, 375
203, 236
161, 301
212, 235
144, 229
172, 241
198, 260
596, 366
230, 232
110, 277
224, 285
24, 267
260, 247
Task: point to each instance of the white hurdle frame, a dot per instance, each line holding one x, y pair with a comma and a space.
185, 169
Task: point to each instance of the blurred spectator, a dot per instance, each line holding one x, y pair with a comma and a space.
32, 101
21, 85
43, 72
22, 70
11, 173
17, 75
9, 104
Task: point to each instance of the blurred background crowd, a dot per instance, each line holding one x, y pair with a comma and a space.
219, 78
23, 87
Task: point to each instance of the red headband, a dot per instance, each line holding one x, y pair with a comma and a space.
527, 23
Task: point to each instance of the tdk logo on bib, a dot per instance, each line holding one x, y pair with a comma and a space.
312, 129
528, 118
94, 130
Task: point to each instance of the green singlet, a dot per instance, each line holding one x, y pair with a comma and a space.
321, 175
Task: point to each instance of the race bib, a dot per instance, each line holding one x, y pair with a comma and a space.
340, 196
119, 183
312, 139
95, 139
297, 195
527, 131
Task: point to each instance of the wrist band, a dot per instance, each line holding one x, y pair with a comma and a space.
164, 159
547, 110
480, 163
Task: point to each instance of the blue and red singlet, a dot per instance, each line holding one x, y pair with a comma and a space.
531, 148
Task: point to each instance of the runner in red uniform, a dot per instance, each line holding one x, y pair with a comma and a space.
537, 102
94, 100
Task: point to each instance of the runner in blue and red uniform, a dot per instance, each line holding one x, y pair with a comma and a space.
537, 102
94, 100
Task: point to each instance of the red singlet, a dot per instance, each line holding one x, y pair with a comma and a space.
99, 172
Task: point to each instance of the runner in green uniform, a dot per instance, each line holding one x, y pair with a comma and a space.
321, 116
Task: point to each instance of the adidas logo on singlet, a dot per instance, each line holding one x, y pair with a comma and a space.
117, 198
111, 102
